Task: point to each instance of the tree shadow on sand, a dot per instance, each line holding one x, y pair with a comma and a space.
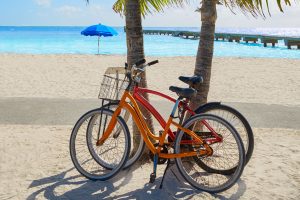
76, 187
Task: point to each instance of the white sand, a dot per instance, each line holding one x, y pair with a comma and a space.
35, 161
252, 80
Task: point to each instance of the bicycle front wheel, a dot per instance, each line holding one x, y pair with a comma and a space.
137, 142
226, 154
112, 154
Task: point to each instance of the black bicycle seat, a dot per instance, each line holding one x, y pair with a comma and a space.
183, 92
191, 80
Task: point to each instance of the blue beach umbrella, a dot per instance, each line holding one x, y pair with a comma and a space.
99, 30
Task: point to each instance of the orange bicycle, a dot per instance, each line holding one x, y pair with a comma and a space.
103, 155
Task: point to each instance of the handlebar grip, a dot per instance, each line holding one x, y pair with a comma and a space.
153, 62
140, 62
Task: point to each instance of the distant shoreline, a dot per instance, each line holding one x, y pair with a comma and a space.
62, 39
124, 55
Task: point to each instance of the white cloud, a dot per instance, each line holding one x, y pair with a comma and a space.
276, 20
45, 3
68, 10
96, 8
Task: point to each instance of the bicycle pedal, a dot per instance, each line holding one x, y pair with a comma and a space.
152, 178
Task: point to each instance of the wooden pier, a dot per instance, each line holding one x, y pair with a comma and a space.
292, 42
230, 37
269, 40
248, 39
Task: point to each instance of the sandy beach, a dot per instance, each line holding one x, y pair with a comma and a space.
35, 161
251, 80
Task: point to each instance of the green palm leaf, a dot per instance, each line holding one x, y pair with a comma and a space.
148, 6
253, 7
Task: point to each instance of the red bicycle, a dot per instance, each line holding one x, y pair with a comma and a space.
228, 113
205, 150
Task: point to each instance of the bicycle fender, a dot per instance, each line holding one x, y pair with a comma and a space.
205, 106
116, 102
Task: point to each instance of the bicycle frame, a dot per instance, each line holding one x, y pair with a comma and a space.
146, 133
137, 94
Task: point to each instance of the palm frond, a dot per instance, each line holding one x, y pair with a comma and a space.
148, 6
254, 7
119, 6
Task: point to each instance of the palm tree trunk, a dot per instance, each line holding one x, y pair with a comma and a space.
135, 52
205, 50
134, 32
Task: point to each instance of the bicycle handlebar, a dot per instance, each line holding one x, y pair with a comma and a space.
138, 70
142, 68
140, 62
152, 62
136, 77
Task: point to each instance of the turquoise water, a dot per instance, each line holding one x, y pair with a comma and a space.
58, 40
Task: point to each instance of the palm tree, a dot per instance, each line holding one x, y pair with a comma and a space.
206, 44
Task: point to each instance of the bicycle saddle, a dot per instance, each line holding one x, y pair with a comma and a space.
183, 92
191, 80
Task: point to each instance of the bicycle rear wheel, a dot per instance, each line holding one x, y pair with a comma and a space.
237, 120
226, 154
113, 153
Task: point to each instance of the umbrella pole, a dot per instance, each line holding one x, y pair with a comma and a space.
98, 43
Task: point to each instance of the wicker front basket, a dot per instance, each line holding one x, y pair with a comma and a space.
112, 86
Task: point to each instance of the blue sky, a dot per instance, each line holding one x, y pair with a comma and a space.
77, 12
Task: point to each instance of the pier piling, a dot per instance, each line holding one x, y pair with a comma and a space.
248, 39
269, 40
289, 42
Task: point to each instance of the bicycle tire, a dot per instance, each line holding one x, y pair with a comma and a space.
96, 173
238, 149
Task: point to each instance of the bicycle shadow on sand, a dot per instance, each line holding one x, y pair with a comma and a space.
63, 186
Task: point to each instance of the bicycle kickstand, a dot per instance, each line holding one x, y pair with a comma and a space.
162, 180
153, 174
